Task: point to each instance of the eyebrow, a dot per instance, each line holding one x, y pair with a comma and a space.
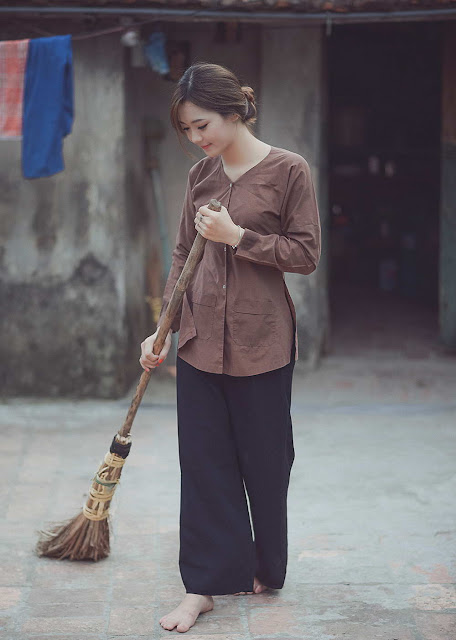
197, 120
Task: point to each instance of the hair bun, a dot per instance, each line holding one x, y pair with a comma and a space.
249, 94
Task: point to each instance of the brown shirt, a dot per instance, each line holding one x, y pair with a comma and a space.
237, 316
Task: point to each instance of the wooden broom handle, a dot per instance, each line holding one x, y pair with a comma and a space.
195, 255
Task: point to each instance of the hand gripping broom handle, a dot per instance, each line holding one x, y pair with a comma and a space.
181, 285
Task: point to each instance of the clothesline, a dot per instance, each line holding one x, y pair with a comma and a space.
101, 32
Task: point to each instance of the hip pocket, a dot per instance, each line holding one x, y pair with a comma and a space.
254, 323
203, 311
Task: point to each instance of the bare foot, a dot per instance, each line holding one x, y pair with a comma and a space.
184, 615
258, 587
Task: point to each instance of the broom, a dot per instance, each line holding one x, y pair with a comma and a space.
86, 536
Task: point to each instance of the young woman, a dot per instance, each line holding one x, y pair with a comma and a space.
237, 343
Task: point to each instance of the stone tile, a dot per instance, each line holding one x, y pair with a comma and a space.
14, 574
132, 620
436, 626
171, 592
124, 637
361, 630
65, 573
272, 620
193, 635
303, 635
139, 593
145, 571
69, 595
73, 636
10, 597
6, 624
135, 547
76, 625
65, 610
147, 525
433, 597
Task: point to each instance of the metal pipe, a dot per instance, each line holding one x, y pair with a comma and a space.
333, 17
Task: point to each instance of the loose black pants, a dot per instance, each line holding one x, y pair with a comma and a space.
233, 430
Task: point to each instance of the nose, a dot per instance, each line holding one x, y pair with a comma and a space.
196, 137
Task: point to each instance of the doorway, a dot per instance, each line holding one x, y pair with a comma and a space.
384, 187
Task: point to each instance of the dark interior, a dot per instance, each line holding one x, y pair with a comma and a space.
384, 184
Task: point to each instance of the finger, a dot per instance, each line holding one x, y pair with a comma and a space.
143, 366
148, 366
164, 352
148, 352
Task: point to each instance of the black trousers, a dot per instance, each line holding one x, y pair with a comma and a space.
233, 431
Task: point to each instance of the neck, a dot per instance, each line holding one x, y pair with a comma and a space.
244, 149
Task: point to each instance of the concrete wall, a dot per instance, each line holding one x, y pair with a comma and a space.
62, 264
293, 115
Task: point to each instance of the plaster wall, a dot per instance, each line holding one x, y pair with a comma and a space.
293, 115
62, 262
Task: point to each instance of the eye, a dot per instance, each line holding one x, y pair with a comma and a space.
203, 127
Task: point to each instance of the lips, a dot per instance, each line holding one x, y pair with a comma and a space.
208, 145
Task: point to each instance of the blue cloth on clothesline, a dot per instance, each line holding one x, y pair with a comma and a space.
48, 110
155, 50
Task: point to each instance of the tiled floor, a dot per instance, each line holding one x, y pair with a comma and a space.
372, 514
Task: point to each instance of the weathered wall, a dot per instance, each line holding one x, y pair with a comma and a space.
62, 264
448, 191
293, 115
74, 245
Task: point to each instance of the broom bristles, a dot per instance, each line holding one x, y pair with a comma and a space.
77, 539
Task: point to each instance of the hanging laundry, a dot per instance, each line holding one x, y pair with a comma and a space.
48, 105
13, 56
155, 51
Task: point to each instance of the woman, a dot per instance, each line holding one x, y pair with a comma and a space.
237, 342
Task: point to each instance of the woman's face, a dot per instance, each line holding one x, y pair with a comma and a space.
207, 129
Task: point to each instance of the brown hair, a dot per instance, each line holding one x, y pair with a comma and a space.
215, 88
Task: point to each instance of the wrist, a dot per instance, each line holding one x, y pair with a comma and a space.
234, 236
237, 235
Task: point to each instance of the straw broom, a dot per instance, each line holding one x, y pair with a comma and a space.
86, 536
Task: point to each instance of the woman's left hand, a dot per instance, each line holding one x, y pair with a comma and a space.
216, 225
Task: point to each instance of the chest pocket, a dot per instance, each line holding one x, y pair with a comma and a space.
254, 323
203, 311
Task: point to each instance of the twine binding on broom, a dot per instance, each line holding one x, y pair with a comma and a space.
86, 537
101, 511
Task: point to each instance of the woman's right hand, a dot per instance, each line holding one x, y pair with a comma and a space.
148, 359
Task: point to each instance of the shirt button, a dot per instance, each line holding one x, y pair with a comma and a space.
224, 248
224, 286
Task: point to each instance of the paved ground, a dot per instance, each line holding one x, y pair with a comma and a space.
372, 513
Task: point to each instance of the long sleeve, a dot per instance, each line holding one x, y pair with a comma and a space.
298, 249
186, 235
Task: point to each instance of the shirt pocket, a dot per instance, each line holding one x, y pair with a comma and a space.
254, 322
203, 311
